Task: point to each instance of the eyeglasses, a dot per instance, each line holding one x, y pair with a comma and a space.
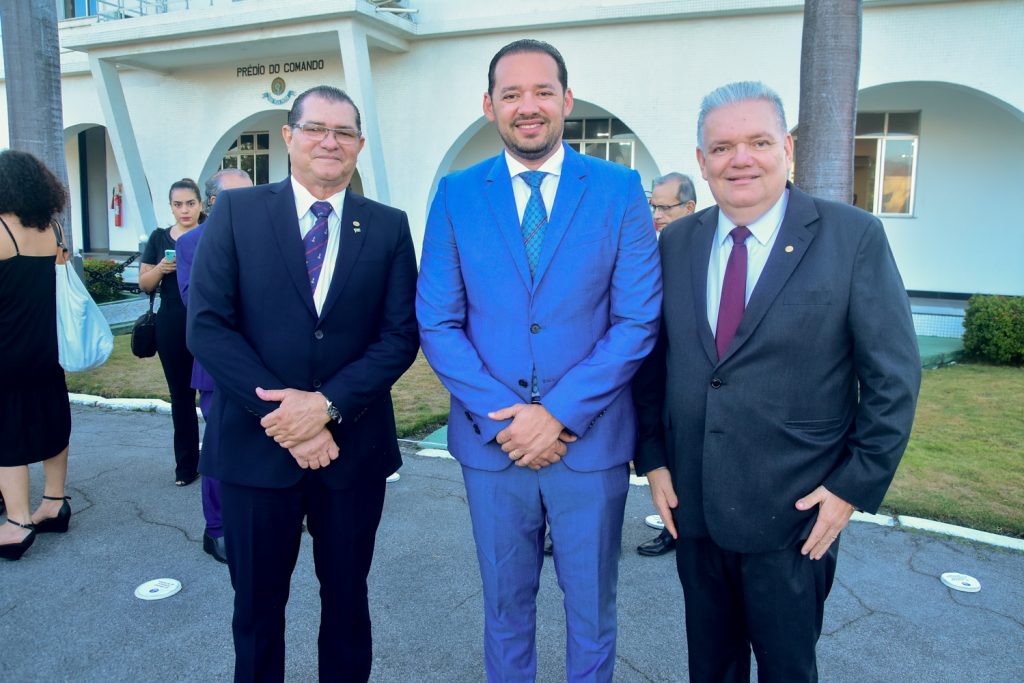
318, 133
655, 208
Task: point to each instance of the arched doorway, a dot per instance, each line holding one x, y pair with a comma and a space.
92, 177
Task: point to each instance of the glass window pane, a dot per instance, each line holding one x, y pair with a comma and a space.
262, 170
865, 161
870, 124
597, 128
904, 124
247, 163
575, 146
896, 176
619, 128
621, 153
229, 162
573, 130
596, 149
247, 141
263, 141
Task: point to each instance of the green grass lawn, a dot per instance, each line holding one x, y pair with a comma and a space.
965, 463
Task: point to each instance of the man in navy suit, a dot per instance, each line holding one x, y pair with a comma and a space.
302, 309
185, 252
538, 298
780, 395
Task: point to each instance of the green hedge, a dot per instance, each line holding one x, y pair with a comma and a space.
103, 279
994, 329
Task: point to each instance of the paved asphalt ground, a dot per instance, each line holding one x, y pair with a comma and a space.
67, 610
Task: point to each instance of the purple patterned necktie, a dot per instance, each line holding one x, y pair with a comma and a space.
734, 291
315, 242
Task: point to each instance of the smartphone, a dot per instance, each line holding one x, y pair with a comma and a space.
169, 254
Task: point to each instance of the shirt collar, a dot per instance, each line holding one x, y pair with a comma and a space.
304, 200
763, 228
553, 166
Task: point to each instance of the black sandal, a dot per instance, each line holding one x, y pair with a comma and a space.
186, 481
14, 551
58, 524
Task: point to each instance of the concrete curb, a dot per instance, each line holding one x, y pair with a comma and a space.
164, 408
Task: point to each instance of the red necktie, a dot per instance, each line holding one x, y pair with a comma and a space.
734, 291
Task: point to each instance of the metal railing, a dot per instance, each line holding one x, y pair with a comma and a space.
110, 10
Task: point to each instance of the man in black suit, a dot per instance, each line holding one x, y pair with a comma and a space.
302, 310
780, 396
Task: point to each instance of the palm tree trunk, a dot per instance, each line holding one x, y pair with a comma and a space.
32, 79
829, 70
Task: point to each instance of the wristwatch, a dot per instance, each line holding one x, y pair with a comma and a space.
332, 411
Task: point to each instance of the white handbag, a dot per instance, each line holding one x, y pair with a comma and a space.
84, 338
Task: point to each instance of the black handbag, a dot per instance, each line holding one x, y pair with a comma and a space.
144, 332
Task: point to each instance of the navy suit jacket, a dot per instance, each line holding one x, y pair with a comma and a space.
818, 386
585, 320
252, 323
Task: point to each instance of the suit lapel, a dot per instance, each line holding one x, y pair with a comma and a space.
506, 217
571, 187
699, 257
781, 263
355, 221
285, 225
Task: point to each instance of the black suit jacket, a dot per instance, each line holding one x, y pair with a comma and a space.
252, 323
818, 387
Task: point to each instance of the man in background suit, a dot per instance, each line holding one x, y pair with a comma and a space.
672, 197
302, 309
185, 251
779, 398
538, 298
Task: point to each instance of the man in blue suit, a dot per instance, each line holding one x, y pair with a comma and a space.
779, 398
185, 252
301, 307
537, 300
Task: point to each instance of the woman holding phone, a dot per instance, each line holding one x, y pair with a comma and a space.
157, 272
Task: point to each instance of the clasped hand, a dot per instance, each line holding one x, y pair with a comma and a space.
535, 439
298, 425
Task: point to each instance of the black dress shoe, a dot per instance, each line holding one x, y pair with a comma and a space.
14, 551
214, 547
58, 524
549, 545
658, 546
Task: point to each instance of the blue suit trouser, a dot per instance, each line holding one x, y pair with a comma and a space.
584, 510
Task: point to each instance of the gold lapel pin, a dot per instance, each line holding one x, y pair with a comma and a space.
789, 248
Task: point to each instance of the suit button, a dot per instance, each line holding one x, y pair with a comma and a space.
319, 334
715, 383
523, 383
535, 328
316, 384
476, 428
468, 416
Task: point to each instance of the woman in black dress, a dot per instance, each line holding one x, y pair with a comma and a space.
35, 417
158, 270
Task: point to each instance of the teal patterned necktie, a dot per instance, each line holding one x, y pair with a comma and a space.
535, 218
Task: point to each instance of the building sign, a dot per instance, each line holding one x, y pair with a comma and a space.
250, 70
279, 93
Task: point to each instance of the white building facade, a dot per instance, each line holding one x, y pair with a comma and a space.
190, 87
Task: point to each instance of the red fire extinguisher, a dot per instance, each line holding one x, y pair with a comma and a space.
116, 204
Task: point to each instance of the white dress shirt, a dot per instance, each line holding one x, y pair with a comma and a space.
548, 186
763, 232
303, 202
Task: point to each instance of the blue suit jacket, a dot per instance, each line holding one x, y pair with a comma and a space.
252, 323
818, 386
185, 252
585, 321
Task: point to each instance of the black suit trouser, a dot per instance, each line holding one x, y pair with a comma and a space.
262, 532
771, 603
